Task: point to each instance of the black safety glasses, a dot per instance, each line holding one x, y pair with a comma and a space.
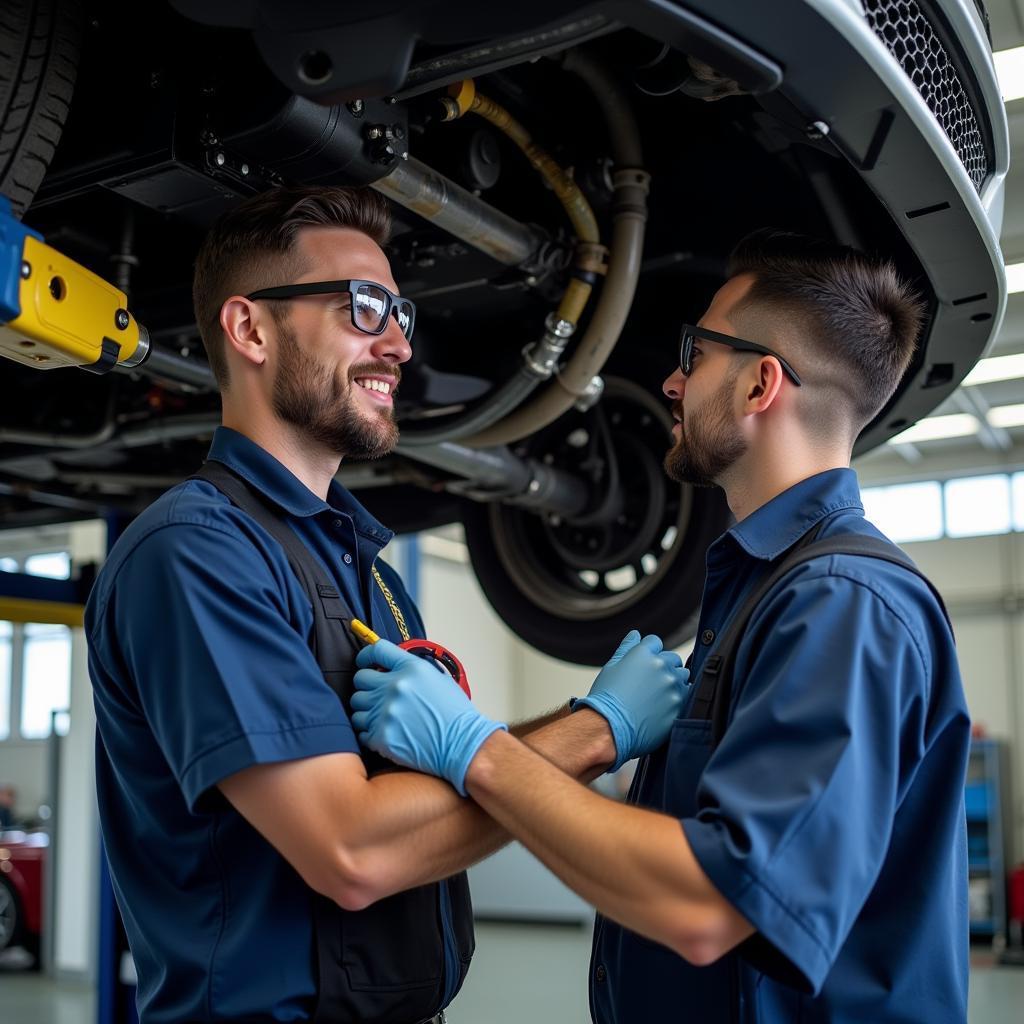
690, 333
371, 303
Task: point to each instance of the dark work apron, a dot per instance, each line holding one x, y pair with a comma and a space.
632, 979
402, 959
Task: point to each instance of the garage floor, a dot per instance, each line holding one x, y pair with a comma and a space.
520, 973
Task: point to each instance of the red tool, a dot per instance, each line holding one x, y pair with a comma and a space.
440, 655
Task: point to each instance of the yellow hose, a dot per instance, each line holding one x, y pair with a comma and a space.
568, 192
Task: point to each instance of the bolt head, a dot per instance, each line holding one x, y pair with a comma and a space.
122, 319
244, 168
817, 130
220, 159
26, 269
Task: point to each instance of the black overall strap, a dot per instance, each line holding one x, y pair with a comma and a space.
334, 647
714, 695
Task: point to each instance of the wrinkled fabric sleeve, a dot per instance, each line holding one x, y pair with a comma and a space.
225, 676
796, 805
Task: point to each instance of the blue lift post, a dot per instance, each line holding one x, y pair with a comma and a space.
115, 998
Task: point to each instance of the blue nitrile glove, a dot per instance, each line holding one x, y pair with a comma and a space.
639, 691
416, 714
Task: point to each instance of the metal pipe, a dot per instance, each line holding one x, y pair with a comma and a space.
515, 480
179, 428
417, 187
87, 441
161, 362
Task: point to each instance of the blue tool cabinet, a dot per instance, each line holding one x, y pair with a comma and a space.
986, 800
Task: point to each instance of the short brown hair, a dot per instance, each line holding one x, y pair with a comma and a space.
847, 321
253, 246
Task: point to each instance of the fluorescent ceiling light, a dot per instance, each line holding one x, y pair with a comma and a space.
1015, 277
996, 368
1010, 72
1006, 416
937, 428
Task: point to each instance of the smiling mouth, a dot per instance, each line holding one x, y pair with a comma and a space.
377, 387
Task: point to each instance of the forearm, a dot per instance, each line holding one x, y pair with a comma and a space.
414, 829
634, 865
523, 729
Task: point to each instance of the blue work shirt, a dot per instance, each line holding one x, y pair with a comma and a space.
199, 654
831, 813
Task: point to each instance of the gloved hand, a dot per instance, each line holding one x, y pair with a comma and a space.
414, 713
639, 691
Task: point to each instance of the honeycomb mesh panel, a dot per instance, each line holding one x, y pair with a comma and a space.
910, 38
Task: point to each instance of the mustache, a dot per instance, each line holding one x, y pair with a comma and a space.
677, 410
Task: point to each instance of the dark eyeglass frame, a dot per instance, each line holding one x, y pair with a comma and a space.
352, 285
690, 332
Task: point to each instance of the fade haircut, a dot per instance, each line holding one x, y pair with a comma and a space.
847, 322
253, 246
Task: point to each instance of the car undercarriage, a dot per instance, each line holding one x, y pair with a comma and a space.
566, 179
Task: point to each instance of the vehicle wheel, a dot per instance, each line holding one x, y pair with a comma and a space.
573, 590
10, 915
39, 47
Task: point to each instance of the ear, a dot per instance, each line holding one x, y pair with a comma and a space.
243, 325
763, 389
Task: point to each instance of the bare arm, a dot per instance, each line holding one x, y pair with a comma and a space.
358, 839
634, 865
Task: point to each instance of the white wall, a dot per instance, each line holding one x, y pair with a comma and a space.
982, 581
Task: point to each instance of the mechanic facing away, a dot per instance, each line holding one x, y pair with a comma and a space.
796, 850
267, 868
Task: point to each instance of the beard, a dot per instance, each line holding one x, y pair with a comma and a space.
309, 395
709, 442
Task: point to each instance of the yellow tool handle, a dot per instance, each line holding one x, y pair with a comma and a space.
363, 631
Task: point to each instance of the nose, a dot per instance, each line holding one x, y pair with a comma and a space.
674, 385
391, 344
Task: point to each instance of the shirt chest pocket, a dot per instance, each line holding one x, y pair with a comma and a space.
675, 771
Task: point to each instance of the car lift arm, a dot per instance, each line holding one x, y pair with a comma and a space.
54, 312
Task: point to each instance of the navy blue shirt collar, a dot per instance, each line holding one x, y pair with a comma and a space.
285, 489
781, 522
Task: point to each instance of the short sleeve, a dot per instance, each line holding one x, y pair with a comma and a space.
225, 676
796, 805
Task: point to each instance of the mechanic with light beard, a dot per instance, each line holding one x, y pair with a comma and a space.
796, 850
267, 868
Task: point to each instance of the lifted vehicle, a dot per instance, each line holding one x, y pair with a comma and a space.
567, 179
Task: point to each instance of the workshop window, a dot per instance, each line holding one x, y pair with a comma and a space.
978, 505
55, 565
906, 512
46, 679
35, 658
1017, 498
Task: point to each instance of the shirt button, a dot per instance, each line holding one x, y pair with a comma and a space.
346, 558
337, 522
600, 974
707, 637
